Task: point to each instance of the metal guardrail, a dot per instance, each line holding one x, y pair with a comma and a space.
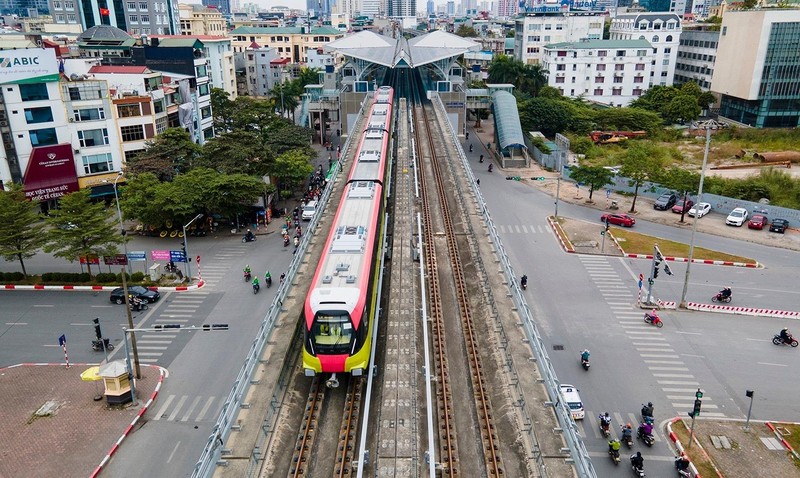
579, 454
212, 451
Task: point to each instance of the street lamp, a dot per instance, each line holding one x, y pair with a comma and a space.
186, 248
119, 216
708, 126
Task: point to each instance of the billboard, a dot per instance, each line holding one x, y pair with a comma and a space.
28, 65
50, 173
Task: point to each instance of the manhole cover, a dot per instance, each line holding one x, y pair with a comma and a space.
558, 347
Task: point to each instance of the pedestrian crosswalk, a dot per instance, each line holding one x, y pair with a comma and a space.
214, 269
186, 408
671, 373
522, 229
590, 426
180, 309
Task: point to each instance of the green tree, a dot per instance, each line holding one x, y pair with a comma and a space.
627, 119
465, 30
510, 33
145, 199
307, 76
237, 152
706, 99
546, 115
681, 109
550, 92
641, 162
81, 228
504, 69
292, 168
21, 229
283, 96
682, 180
222, 106
656, 98
170, 153
594, 176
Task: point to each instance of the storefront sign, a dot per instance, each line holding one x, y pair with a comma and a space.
116, 260
159, 255
50, 173
28, 65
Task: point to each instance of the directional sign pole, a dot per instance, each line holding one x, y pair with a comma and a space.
62, 341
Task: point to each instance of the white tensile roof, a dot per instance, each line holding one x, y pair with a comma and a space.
390, 52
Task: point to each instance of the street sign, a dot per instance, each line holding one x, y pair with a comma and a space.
116, 260
62, 340
159, 255
197, 259
177, 256
89, 260
137, 256
641, 277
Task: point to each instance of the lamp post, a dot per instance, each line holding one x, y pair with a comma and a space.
119, 216
708, 126
186, 248
283, 85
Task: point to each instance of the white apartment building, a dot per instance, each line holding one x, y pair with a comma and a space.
260, 79
201, 20
662, 30
612, 72
697, 54
534, 31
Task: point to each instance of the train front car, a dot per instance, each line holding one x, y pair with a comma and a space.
339, 306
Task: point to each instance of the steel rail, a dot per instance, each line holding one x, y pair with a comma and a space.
308, 429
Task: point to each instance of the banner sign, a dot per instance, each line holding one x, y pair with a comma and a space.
137, 256
89, 260
116, 260
160, 255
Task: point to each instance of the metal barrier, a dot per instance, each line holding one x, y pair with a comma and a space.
222, 428
580, 456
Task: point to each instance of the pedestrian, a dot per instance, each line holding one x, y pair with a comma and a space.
283, 276
338, 133
466, 135
478, 181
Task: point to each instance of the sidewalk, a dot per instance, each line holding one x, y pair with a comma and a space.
73, 441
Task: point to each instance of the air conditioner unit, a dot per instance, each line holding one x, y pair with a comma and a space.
71, 120
3, 123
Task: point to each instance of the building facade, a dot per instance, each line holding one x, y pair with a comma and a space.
223, 6
535, 30
259, 75
697, 53
611, 72
662, 30
138, 17
200, 20
289, 42
762, 43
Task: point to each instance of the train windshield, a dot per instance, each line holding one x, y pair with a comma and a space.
332, 332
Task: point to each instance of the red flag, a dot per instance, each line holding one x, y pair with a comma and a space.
104, 12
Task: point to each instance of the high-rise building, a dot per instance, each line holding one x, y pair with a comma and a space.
402, 8
662, 30
24, 8
535, 30
431, 8
224, 6
451, 8
200, 20
506, 8
697, 54
137, 17
371, 8
756, 68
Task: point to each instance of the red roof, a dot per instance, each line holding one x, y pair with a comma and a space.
280, 61
254, 46
124, 69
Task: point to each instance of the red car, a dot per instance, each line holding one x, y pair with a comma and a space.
678, 208
618, 219
758, 221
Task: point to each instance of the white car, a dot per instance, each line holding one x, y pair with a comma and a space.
700, 209
737, 217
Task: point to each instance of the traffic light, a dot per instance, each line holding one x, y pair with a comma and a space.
698, 394
655, 273
748, 393
697, 404
97, 331
538, 178
667, 270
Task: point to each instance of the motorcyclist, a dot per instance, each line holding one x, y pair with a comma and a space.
255, 283
647, 410
605, 421
524, 281
725, 292
481, 160
645, 429
786, 336
585, 355
470, 147
249, 235
637, 460
682, 462
491, 166
613, 446
654, 318
627, 432
247, 271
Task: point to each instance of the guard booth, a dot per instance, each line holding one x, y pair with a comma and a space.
116, 382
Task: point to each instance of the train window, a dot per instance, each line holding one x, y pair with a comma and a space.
332, 334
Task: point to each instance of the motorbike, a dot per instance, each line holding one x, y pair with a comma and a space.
256, 288
653, 320
721, 298
247, 276
286, 240
138, 305
585, 363
249, 238
778, 340
647, 414
481, 160
637, 471
97, 345
605, 429
491, 166
683, 468
470, 148
647, 438
614, 454
268, 280
627, 439
524, 283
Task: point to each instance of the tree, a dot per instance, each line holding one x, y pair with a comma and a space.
641, 162
504, 69
145, 199
681, 109
237, 152
292, 168
546, 115
510, 33
465, 30
594, 176
706, 99
223, 107
21, 230
307, 76
283, 94
627, 119
682, 180
656, 98
170, 153
81, 228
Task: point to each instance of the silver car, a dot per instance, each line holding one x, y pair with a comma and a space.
737, 217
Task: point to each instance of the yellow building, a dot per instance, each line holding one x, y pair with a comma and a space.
201, 20
288, 42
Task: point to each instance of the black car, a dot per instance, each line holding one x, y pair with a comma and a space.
778, 225
118, 295
665, 201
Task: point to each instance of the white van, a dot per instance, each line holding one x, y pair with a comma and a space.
573, 400
309, 210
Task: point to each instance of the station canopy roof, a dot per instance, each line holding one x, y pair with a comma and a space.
506, 117
399, 52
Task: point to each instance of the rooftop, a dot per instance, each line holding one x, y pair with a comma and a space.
120, 69
103, 33
599, 44
285, 31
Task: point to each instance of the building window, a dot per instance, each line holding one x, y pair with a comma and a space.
43, 137
134, 18
665, 62
69, 5
201, 71
128, 110
93, 137
161, 124
548, 26
598, 92
131, 5
616, 91
620, 53
599, 79
561, 53
97, 163
84, 92
132, 133
131, 155
559, 27
561, 67
71, 18
59, 18
38, 115
205, 112
619, 67
143, 6
560, 79
33, 92
639, 67
208, 133
203, 90
145, 19
638, 79
89, 114
158, 106
637, 92
57, 5
601, 67
655, 39
602, 53
669, 38
617, 79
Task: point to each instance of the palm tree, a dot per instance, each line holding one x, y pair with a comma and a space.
307, 76
504, 69
284, 97
535, 78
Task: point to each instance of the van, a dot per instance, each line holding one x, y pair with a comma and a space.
309, 210
573, 400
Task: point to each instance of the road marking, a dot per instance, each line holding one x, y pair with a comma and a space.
775, 364
43, 305
18, 323
684, 397
205, 408
177, 408
673, 375
102, 306
759, 340
666, 362
686, 390
711, 414
171, 455
687, 333
160, 336
651, 349
164, 407
149, 347
690, 405
171, 319
191, 409
677, 382
140, 341
79, 324
676, 369
151, 354
50, 345
692, 355
649, 332
659, 355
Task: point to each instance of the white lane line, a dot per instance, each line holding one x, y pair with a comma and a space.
25, 323
759, 340
673, 375
691, 405
659, 355
684, 397
159, 336
150, 354
205, 408
712, 414
142, 342
149, 347
652, 341
177, 408
677, 382
692, 355
687, 333
50, 345
666, 362
651, 349
775, 364
191, 409
102, 306
43, 305
649, 332
171, 455
675, 369
174, 315
686, 390
164, 407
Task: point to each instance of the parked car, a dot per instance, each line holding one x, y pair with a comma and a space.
618, 219
758, 221
700, 209
778, 225
737, 217
665, 201
309, 210
118, 294
679, 207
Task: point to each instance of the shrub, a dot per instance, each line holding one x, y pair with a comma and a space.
47, 277
105, 277
84, 277
137, 277
13, 276
118, 277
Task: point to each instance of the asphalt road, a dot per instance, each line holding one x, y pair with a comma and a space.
588, 302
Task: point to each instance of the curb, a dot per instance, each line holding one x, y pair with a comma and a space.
84, 288
728, 309
564, 245
616, 243
163, 373
679, 446
698, 261
783, 442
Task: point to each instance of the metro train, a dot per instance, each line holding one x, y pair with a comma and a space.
340, 303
